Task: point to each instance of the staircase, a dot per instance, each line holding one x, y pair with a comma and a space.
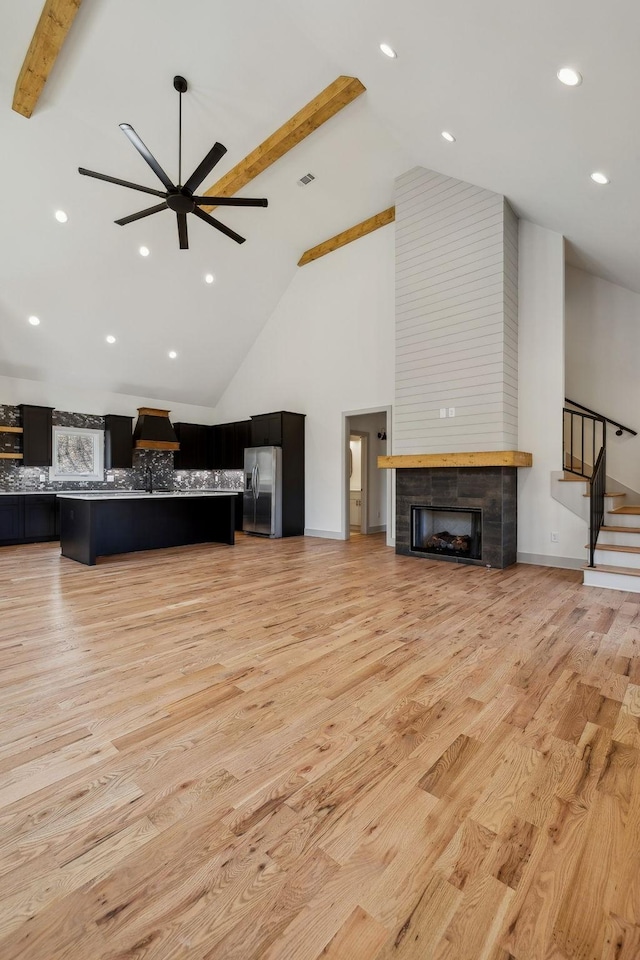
614, 526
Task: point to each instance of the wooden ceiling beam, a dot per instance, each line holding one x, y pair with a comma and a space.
347, 236
332, 99
53, 26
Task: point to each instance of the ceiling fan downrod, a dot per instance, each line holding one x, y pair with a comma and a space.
181, 86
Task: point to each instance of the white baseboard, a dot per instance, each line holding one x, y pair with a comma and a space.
327, 534
542, 560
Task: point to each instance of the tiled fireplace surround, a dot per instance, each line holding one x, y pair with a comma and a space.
492, 489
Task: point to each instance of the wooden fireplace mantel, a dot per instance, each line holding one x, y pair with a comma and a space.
482, 458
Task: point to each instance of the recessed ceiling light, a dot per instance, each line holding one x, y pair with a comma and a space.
449, 137
61, 216
388, 51
34, 321
209, 278
569, 76
173, 354
111, 339
144, 251
601, 178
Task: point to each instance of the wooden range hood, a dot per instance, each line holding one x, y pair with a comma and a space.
154, 431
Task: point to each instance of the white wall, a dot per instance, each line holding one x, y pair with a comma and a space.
98, 402
541, 398
373, 424
602, 351
327, 348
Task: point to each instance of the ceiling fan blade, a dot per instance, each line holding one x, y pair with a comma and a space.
219, 226
141, 213
204, 168
119, 183
230, 202
182, 231
144, 152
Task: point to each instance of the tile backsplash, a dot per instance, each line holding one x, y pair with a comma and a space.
17, 478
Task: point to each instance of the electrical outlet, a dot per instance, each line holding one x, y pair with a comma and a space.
111, 478
42, 478
443, 412
555, 536
452, 411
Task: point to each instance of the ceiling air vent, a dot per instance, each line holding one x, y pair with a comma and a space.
303, 181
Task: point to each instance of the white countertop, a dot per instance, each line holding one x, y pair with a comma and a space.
142, 495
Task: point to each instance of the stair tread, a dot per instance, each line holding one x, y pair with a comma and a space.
608, 494
611, 529
615, 548
606, 568
573, 479
631, 510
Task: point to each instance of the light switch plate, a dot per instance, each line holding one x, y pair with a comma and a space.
452, 411
443, 412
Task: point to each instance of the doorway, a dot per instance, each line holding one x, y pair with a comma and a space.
358, 482
367, 489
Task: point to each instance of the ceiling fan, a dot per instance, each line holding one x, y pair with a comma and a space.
179, 198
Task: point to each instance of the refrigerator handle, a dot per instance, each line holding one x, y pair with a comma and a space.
253, 481
257, 481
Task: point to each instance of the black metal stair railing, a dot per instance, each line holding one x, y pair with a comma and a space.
620, 428
597, 487
584, 446
584, 435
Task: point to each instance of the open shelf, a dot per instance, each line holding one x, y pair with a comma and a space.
11, 456
4, 429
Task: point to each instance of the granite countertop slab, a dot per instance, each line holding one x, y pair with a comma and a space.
107, 493
142, 495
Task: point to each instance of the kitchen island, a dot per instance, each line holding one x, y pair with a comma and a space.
97, 525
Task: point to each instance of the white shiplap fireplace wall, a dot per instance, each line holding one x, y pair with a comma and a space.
456, 317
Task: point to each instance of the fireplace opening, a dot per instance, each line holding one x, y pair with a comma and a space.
454, 532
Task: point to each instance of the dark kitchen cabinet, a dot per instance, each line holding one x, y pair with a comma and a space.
41, 517
286, 430
266, 430
11, 519
195, 448
229, 442
29, 518
36, 438
239, 508
118, 442
241, 439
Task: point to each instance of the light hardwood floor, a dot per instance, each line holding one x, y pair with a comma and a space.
300, 749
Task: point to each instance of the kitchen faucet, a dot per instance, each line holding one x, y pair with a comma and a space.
148, 480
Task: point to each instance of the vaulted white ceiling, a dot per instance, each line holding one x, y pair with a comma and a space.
486, 71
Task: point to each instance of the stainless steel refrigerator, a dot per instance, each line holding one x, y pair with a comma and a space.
262, 499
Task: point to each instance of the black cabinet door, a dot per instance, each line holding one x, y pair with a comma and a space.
228, 442
11, 519
266, 430
36, 439
225, 443
242, 439
182, 457
40, 517
194, 452
118, 442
